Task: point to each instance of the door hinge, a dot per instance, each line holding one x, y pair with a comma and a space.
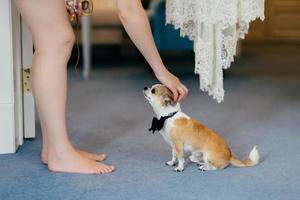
26, 82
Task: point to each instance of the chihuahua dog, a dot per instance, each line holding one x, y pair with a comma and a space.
184, 134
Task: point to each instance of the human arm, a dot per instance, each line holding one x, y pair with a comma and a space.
135, 20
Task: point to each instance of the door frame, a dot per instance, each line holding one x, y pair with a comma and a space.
28, 101
16, 107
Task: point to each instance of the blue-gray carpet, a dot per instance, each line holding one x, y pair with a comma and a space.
109, 114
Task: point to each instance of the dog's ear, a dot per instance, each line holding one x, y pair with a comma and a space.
168, 100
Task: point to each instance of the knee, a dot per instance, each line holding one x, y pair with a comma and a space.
66, 42
57, 44
63, 44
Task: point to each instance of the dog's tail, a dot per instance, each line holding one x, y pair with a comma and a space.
253, 159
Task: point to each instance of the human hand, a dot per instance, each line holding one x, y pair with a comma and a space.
178, 89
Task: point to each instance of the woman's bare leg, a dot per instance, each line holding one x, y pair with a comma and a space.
45, 148
53, 39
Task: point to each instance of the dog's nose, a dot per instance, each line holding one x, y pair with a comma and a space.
145, 88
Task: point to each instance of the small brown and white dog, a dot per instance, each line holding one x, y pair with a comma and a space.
208, 149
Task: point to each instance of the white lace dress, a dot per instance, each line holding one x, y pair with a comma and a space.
215, 27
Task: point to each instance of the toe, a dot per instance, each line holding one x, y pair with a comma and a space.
107, 169
113, 168
104, 169
100, 157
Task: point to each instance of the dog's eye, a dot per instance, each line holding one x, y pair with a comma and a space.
153, 91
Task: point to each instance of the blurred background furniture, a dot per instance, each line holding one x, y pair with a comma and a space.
102, 28
281, 26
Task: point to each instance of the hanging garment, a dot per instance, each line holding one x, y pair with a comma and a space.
215, 27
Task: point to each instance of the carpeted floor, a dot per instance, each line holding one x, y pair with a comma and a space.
109, 114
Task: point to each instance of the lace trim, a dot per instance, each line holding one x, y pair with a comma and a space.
215, 27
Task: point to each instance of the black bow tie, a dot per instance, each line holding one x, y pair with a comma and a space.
157, 125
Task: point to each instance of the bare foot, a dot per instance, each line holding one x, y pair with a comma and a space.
74, 162
92, 156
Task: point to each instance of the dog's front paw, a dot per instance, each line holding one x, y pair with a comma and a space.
178, 169
170, 163
202, 168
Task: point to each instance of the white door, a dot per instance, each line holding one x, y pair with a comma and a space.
17, 118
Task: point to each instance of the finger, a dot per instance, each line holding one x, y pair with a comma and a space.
185, 90
184, 87
181, 92
175, 93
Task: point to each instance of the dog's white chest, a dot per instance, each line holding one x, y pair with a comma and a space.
166, 137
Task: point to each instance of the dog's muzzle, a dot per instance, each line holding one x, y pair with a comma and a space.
145, 94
